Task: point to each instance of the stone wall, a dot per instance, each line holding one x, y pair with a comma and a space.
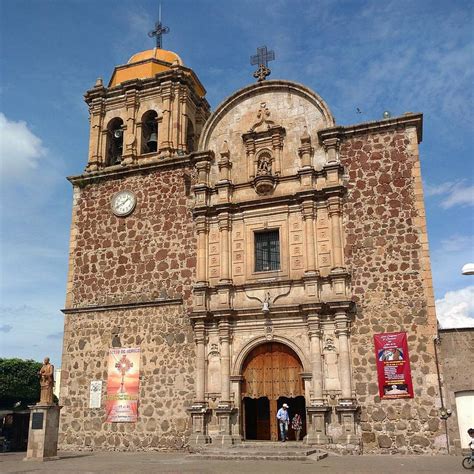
130, 278
386, 253
456, 357
147, 255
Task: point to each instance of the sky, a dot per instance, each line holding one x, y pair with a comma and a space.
373, 56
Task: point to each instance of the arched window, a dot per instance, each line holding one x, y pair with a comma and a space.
149, 132
190, 137
114, 142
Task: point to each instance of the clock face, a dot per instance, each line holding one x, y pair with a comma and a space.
123, 203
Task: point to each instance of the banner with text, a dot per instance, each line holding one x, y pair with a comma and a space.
123, 385
393, 365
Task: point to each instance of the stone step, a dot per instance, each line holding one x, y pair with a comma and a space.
249, 456
269, 451
263, 452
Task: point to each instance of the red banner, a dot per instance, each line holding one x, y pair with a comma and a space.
123, 385
393, 365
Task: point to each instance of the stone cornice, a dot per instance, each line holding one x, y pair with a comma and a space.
179, 74
407, 120
122, 306
119, 171
296, 198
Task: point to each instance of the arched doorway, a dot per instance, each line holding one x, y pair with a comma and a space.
271, 376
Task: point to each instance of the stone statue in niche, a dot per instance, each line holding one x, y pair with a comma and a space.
264, 165
46, 375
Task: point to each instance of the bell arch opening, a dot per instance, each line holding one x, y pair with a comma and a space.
271, 376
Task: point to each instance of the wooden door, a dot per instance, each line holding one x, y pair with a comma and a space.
272, 370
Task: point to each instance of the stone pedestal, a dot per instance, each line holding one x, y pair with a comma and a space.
317, 425
199, 421
347, 411
43, 433
225, 437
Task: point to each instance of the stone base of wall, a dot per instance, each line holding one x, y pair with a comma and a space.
167, 366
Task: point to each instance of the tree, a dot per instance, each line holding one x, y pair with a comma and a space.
19, 382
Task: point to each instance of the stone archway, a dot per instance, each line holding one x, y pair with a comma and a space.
271, 376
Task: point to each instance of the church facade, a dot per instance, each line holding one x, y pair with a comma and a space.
251, 254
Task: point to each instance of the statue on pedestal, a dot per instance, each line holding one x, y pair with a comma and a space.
46, 375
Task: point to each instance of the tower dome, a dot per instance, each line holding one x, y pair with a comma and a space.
145, 64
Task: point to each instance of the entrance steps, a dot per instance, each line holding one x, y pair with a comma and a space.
263, 450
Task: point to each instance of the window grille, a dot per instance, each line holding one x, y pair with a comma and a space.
267, 251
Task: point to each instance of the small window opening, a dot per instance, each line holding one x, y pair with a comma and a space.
114, 142
190, 137
150, 132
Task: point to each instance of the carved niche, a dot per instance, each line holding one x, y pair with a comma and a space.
264, 145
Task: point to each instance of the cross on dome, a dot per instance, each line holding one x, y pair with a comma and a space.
159, 31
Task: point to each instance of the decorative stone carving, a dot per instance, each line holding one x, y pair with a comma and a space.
329, 344
264, 144
263, 122
214, 350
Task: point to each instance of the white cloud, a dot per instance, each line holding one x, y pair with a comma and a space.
459, 196
456, 308
458, 243
455, 193
20, 149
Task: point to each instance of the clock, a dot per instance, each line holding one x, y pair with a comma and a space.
123, 203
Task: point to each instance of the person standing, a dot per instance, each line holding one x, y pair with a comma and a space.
283, 420
297, 425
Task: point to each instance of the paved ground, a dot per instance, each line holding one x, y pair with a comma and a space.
177, 463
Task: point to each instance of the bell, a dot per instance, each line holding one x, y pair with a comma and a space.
152, 142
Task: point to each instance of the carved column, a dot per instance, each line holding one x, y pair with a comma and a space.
224, 228
166, 144
336, 231
277, 145
342, 332
314, 334
308, 216
182, 119
347, 406
202, 231
199, 411
251, 163
224, 338
129, 138
96, 111
224, 410
318, 410
200, 339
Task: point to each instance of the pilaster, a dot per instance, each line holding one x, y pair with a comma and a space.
335, 215
129, 138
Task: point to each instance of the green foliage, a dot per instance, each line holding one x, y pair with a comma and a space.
19, 381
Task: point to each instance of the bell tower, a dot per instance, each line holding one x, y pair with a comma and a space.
132, 256
152, 108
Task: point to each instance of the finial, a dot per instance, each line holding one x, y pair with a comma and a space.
225, 149
305, 137
99, 82
159, 31
262, 58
